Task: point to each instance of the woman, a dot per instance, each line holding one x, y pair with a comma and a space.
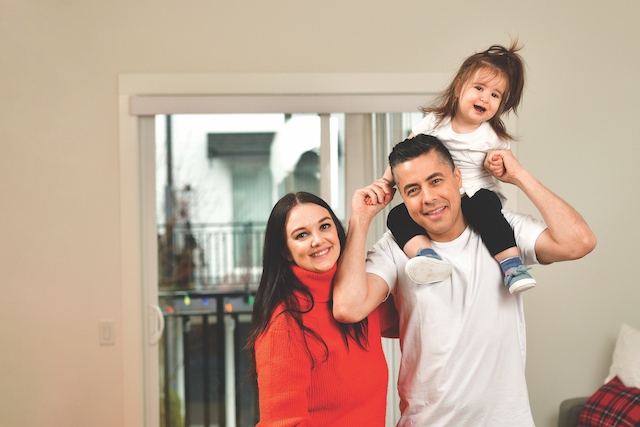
311, 369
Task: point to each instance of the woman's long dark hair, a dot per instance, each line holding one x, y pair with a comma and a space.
278, 284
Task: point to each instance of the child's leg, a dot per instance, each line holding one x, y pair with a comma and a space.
425, 265
409, 235
507, 253
415, 244
483, 212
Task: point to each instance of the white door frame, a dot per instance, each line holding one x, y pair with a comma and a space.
140, 96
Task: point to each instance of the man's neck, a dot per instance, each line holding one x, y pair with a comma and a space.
451, 234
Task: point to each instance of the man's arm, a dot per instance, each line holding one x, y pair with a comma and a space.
357, 293
568, 236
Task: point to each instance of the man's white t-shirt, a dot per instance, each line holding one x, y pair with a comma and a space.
463, 339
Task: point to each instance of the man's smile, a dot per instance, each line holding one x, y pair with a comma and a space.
435, 213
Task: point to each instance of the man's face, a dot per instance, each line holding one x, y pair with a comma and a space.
430, 191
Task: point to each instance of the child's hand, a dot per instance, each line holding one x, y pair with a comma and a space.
503, 165
494, 164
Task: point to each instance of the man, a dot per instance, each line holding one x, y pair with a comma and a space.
462, 339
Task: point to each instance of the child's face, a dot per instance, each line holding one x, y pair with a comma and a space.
479, 99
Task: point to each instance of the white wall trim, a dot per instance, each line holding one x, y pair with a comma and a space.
226, 104
281, 84
130, 266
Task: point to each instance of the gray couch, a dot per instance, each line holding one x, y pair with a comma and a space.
570, 411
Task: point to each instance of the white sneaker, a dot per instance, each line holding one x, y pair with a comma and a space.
427, 269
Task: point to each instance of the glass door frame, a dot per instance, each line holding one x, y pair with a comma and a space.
142, 96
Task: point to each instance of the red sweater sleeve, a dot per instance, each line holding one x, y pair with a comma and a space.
284, 375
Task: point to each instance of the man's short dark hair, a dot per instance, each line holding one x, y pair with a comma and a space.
414, 147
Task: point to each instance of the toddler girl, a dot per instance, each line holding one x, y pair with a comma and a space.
466, 118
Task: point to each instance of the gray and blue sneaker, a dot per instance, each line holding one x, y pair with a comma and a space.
427, 267
518, 280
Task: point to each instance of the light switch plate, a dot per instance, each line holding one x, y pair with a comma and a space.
107, 332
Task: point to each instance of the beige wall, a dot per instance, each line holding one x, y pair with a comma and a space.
59, 163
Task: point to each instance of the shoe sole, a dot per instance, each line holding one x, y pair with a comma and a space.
522, 285
424, 270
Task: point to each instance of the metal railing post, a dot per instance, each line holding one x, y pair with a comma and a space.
167, 397
187, 360
230, 370
205, 370
220, 355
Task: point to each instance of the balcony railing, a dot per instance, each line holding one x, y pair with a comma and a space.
223, 256
204, 379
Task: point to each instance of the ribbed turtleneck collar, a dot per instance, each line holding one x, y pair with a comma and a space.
319, 284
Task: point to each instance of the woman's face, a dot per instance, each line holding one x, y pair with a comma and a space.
312, 238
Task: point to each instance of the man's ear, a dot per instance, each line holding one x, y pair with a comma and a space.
458, 176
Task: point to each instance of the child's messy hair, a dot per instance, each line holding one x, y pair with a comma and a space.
498, 59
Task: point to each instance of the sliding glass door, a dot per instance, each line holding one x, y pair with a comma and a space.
208, 169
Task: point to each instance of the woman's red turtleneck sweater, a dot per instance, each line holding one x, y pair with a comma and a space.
347, 389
